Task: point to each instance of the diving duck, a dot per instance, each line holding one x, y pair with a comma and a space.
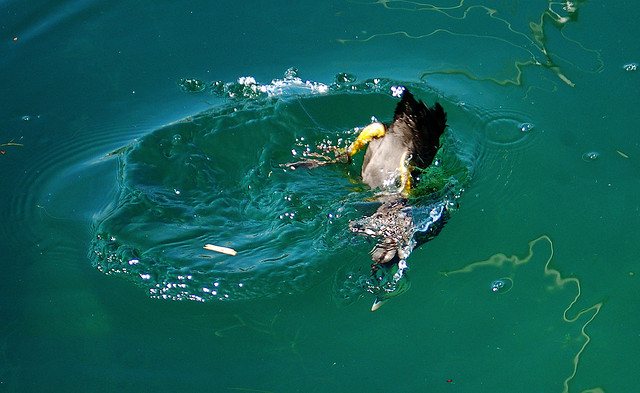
396, 152
410, 142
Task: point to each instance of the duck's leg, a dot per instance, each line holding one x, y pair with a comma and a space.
317, 161
405, 175
369, 133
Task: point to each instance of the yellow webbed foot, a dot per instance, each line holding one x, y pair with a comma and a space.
405, 175
370, 132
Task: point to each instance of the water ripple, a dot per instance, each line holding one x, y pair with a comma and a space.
504, 135
62, 183
218, 178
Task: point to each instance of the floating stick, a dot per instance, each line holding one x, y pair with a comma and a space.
220, 249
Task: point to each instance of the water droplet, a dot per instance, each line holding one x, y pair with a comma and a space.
526, 127
344, 77
502, 285
630, 67
397, 91
506, 129
590, 156
291, 73
192, 85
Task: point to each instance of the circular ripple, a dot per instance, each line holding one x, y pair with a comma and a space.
505, 129
502, 136
55, 182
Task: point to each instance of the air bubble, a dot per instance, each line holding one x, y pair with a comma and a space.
291, 73
397, 91
630, 67
526, 127
507, 129
192, 85
344, 77
502, 285
590, 156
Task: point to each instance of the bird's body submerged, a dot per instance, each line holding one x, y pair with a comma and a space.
409, 144
412, 139
394, 155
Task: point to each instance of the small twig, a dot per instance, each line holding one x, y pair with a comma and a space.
11, 143
623, 155
220, 249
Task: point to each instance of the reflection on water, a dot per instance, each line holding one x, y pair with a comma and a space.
544, 297
509, 33
78, 87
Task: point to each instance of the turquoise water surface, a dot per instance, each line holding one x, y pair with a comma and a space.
135, 133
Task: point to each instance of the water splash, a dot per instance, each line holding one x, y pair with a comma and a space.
216, 178
247, 87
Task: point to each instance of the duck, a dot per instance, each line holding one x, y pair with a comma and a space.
395, 154
397, 150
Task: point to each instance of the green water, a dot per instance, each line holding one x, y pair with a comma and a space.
541, 100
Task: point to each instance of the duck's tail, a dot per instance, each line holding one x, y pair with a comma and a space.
425, 124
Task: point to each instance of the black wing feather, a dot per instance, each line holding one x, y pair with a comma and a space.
421, 125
